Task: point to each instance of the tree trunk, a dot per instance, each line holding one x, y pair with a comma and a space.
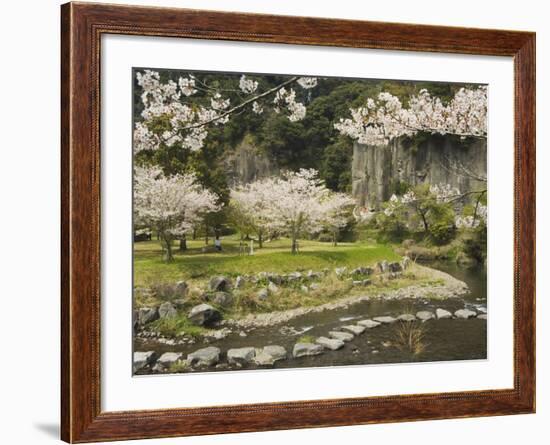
294, 244
168, 256
260, 240
183, 243
425, 222
194, 234
206, 234
334, 241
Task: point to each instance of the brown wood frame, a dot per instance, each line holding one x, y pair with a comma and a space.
82, 26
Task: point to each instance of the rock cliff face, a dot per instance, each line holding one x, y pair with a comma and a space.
437, 160
245, 163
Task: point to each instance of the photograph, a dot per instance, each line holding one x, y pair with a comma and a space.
299, 221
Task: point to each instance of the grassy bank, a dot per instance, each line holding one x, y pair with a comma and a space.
195, 265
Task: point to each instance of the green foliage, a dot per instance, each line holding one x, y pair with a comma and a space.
392, 228
474, 244
176, 326
398, 187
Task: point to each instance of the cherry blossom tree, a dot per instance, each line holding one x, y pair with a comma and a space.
337, 212
294, 203
180, 113
249, 204
382, 119
171, 205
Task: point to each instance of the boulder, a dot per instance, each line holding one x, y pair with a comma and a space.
369, 324
204, 314
395, 267
482, 316
382, 266
219, 283
442, 313
181, 289
164, 290
385, 319
169, 358
222, 299
314, 286
355, 329
239, 282
272, 287
306, 349
241, 356
142, 359
330, 343
407, 317
167, 310
275, 278
339, 335
269, 355
294, 276
362, 271
465, 313
147, 315
204, 357
425, 315
314, 275
263, 294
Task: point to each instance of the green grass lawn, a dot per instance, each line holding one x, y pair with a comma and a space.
196, 265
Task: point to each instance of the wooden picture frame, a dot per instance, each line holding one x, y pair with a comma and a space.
82, 26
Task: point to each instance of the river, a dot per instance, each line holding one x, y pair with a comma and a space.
442, 340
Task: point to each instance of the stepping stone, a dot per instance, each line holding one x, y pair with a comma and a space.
442, 313
482, 309
369, 324
339, 335
142, 359
425, 315
385, 319
204, 357
241, 356
465, 313
407, 317
482, 316
269, 355
169, 358
306, 349
354, 329
330, 343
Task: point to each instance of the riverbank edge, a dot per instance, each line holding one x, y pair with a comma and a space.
451, 288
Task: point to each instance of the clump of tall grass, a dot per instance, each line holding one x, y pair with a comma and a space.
410, 337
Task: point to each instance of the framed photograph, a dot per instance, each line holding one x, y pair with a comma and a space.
275, 222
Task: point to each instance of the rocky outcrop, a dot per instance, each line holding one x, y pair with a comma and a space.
436, 160
246, 163
204, 314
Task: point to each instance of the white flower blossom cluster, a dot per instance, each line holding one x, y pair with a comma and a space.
257, 108
188, 121
385, 118
287, 98
444, 192
307, 82
247, 86
294, 203
471, 222
164, 100
171, 205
